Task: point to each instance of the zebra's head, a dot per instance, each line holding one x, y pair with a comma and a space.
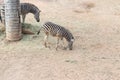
37, 16
0, 17
70, 44
1, 10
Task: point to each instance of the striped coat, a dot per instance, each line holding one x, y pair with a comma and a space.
0, 17
29, 8
26, 8
58, 31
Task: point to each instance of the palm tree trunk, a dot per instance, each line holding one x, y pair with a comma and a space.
12, 20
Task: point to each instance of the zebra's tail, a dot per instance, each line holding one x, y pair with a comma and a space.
39, 31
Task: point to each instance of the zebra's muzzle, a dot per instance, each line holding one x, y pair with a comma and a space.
0, 18
38, 20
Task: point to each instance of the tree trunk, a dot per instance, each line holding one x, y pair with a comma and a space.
12, 20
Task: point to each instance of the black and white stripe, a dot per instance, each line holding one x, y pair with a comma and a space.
60, 32
0, 16
2, 13
29, 8
26, 8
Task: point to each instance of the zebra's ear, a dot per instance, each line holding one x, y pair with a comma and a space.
72, 40
2, 9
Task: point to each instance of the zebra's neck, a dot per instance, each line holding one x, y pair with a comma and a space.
68, 36
33, 10
69, 39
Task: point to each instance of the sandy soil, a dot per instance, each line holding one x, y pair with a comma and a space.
96, 53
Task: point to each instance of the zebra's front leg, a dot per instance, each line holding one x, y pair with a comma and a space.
57, 43
63, 44
23, 18
0, 18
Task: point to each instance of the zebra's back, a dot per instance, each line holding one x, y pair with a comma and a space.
55, 29
58, 31
30, 8
27, 8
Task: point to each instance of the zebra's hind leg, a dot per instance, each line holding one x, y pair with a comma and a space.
46, 41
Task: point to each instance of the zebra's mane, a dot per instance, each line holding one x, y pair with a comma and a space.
64, 32
33, 8
67, 32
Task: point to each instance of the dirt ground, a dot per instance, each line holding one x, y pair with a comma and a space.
95, 25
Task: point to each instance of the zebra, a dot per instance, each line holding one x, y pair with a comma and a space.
2, 13
26, 8
58, 31
0, 17
29, 8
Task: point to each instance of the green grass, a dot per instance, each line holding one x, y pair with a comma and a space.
32, 27
26, 37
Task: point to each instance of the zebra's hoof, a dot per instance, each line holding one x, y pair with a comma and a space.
64, 48
56, 49
49, 47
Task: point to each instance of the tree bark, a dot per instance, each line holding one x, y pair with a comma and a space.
12, 20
